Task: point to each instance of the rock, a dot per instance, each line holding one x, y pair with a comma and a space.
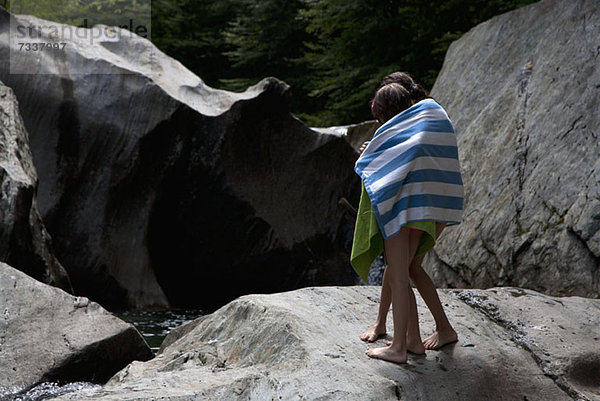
355, 134
24, 241
49, 335
522, 90
514, 344
154, 185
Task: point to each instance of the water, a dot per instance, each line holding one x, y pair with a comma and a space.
44, 391
154, 327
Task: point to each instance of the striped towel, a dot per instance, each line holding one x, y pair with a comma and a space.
411, 170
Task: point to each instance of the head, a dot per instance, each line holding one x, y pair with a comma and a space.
417, 92
390, 100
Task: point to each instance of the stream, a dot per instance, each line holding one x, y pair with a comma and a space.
155, 325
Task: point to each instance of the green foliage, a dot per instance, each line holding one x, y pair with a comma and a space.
192, 31
333, 53
358, 42
267, 39
88, 12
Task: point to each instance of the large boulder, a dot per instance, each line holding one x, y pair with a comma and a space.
513, 344
24, 241
154, 185
49, 335
522, 90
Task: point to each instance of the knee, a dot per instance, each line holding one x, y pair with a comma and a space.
397, 276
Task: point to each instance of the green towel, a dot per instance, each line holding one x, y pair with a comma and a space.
368, 241
367, 244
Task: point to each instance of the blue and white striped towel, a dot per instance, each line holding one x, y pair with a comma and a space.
411, 169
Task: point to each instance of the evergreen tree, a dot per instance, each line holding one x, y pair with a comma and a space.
360, 41
192, 31
267, 39
85, 12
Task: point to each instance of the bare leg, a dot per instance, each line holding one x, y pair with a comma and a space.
399, 250
414, 343
413, 334
444, 333
378, 329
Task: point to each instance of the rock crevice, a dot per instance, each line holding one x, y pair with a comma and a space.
24, 241
520, 338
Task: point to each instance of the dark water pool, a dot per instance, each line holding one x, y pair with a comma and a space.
155, 325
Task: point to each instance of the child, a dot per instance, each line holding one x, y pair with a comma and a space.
410, 221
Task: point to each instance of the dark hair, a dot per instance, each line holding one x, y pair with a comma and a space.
390, 100
417, 92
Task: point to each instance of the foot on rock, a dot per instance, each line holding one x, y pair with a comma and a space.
414, 347
373, 333
387, 354
439, 338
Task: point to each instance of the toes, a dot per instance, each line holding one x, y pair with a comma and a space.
371, 337
368, 337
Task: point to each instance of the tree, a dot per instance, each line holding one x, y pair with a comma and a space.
357, 42
191, 31
85, 12
267, 39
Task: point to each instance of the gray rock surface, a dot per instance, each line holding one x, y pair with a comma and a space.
24, 241
523, 90
153, 184
355, 134
49, 335
514, 344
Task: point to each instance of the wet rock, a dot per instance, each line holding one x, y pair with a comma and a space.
304, 345
154, 185
522, 90
47, 335
24, 241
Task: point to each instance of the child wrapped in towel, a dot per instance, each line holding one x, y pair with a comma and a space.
412, 189
411, 177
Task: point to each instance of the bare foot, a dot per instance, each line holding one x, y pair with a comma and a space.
414, 347
439, 338
387, 354
373, 333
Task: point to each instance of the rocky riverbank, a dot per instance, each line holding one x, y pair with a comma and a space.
47, 335
514, 344
156, 190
